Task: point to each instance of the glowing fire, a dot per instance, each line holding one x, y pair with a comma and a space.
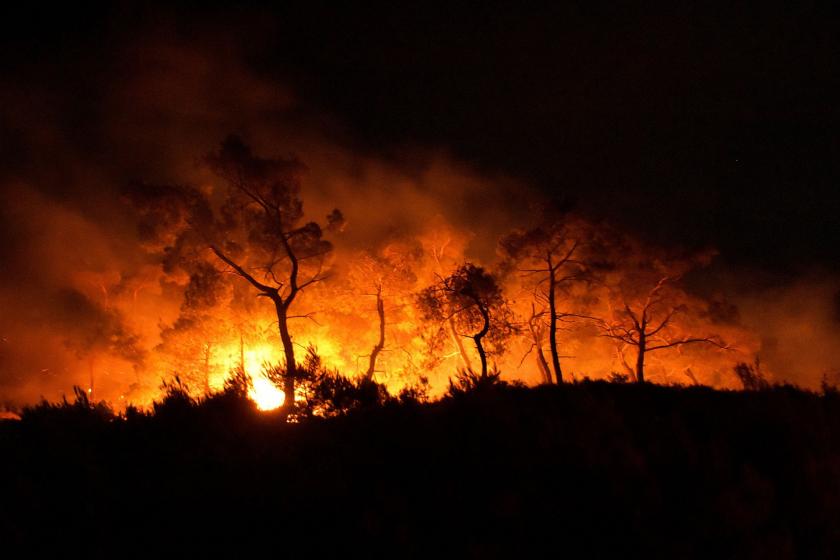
265, 394
263, 391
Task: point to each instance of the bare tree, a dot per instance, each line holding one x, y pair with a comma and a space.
548, 254
261, 238
438, 252
536, 329
471, 297
649, 326
385, 273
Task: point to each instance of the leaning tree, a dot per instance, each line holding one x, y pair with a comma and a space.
387, 274
471, 297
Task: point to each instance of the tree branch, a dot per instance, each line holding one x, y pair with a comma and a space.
687, 341
267, 290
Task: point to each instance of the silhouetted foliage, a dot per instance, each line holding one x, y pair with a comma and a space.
751, 377
616, 377
80, 411
325, 392
262, 213
415, 394
467, 381
548, 254
472, 298
646, 326
608, 468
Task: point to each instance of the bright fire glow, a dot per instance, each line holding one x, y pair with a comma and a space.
263, 391
265, 394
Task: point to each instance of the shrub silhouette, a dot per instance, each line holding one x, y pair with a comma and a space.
176, 401
415, 394
79, 412
606, 468
751, 377
467, 381
616, 377
325, 392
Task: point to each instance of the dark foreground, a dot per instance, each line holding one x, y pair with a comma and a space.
588, 469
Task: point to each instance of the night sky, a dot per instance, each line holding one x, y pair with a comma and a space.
702, 126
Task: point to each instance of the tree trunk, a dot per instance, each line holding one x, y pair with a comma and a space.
289, 351
537, 337
543, 365
380, 310
479, 336
640, 359
552, 332
456, 338
481, 354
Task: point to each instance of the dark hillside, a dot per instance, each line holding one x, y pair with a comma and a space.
591, 468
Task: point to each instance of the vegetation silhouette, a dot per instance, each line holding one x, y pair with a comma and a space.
472, 298
490, 470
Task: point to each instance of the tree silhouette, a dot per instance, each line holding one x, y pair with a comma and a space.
648, 326
261, 238
547, 255
536, 330
471, 297
388, 274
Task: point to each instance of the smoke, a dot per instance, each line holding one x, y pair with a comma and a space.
92, 293
799, 328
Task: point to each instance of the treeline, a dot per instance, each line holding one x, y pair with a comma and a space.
409, 301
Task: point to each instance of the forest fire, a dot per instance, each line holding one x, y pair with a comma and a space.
233, 276
192, 276
406, 308
265, 394
262, 390
410, 280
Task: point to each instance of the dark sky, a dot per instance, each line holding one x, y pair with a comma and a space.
692, 125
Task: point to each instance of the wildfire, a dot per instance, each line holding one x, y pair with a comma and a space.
263, 391
265, 394
384, 305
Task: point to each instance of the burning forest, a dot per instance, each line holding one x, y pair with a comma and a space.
197, 245
384, 278
239, 275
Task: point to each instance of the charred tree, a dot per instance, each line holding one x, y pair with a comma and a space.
260, 236
537, 331
452, 329
548, 255
646, 328
386, 274
380, 343
471, 298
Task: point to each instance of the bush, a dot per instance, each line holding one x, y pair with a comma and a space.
467, 381
177, 400
751, 377
80, 410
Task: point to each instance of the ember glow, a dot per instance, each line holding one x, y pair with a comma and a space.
262, 391
265, 393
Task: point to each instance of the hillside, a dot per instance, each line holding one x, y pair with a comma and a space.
595, 467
